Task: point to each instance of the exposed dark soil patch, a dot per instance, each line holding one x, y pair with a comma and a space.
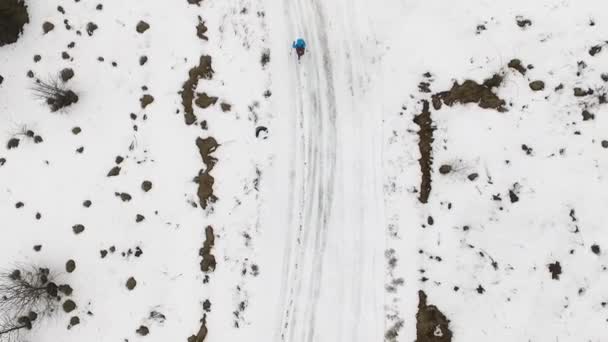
205, 181
208, 263
202, 331
203, 100
201, 29
425, 136
472, 92
431, 324
204, 71
13, 16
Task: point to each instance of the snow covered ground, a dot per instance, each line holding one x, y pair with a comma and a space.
429, 171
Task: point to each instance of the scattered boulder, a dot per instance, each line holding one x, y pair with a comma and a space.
146, 186
604, 143
445, 169
473, 176
69, 306
143, 60
76, 130
75, 320
66, 74
91, 28
131, 283
78, 228
142, 26
587, 115
47, 27
225, 107
12, 143
595, 249
146, 100
115, 171
516, 64
537, 85
143, 330
139, 218
70, 266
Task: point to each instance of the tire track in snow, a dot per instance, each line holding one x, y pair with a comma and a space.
317, 121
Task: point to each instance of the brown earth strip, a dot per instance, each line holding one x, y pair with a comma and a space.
425, 135
208, 263
472, 92
202, 332
202, 70
431, 324
205, 181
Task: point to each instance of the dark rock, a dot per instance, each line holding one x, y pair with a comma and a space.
70, 266
131, 283
142, 26
119, 159
143, 330
87, 203
139, 218
76, 130
78, 228
588, 115
513, 197
65, 289
19, 205
595, 50
91, 27
47, 27
115, 171
146, 100
37, 248
537, 85
125, 197
445, 169
66, 74
473, 176
595, 249
69, 305
146, 185
225, 107
37, 58
75, 320
605, 143
143, 60
12, 143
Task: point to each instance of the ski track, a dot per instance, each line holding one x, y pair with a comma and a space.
323, 290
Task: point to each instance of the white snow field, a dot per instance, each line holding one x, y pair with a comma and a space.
429, 171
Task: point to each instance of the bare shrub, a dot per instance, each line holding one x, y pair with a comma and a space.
55, 94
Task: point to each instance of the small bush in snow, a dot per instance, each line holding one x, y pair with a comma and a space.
55, 94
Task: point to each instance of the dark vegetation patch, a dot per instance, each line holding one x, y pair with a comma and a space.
56, 95
425, 141
431, 324
555, 269
146, 186
472, 92
131, 283
205, 181
594, 50
595, 249
204, 71
259, 130
13, 16
204, 101
208, 263
142, 330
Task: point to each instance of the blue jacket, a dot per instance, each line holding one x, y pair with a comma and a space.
299, 44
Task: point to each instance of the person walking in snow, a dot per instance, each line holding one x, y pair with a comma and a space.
300, 46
